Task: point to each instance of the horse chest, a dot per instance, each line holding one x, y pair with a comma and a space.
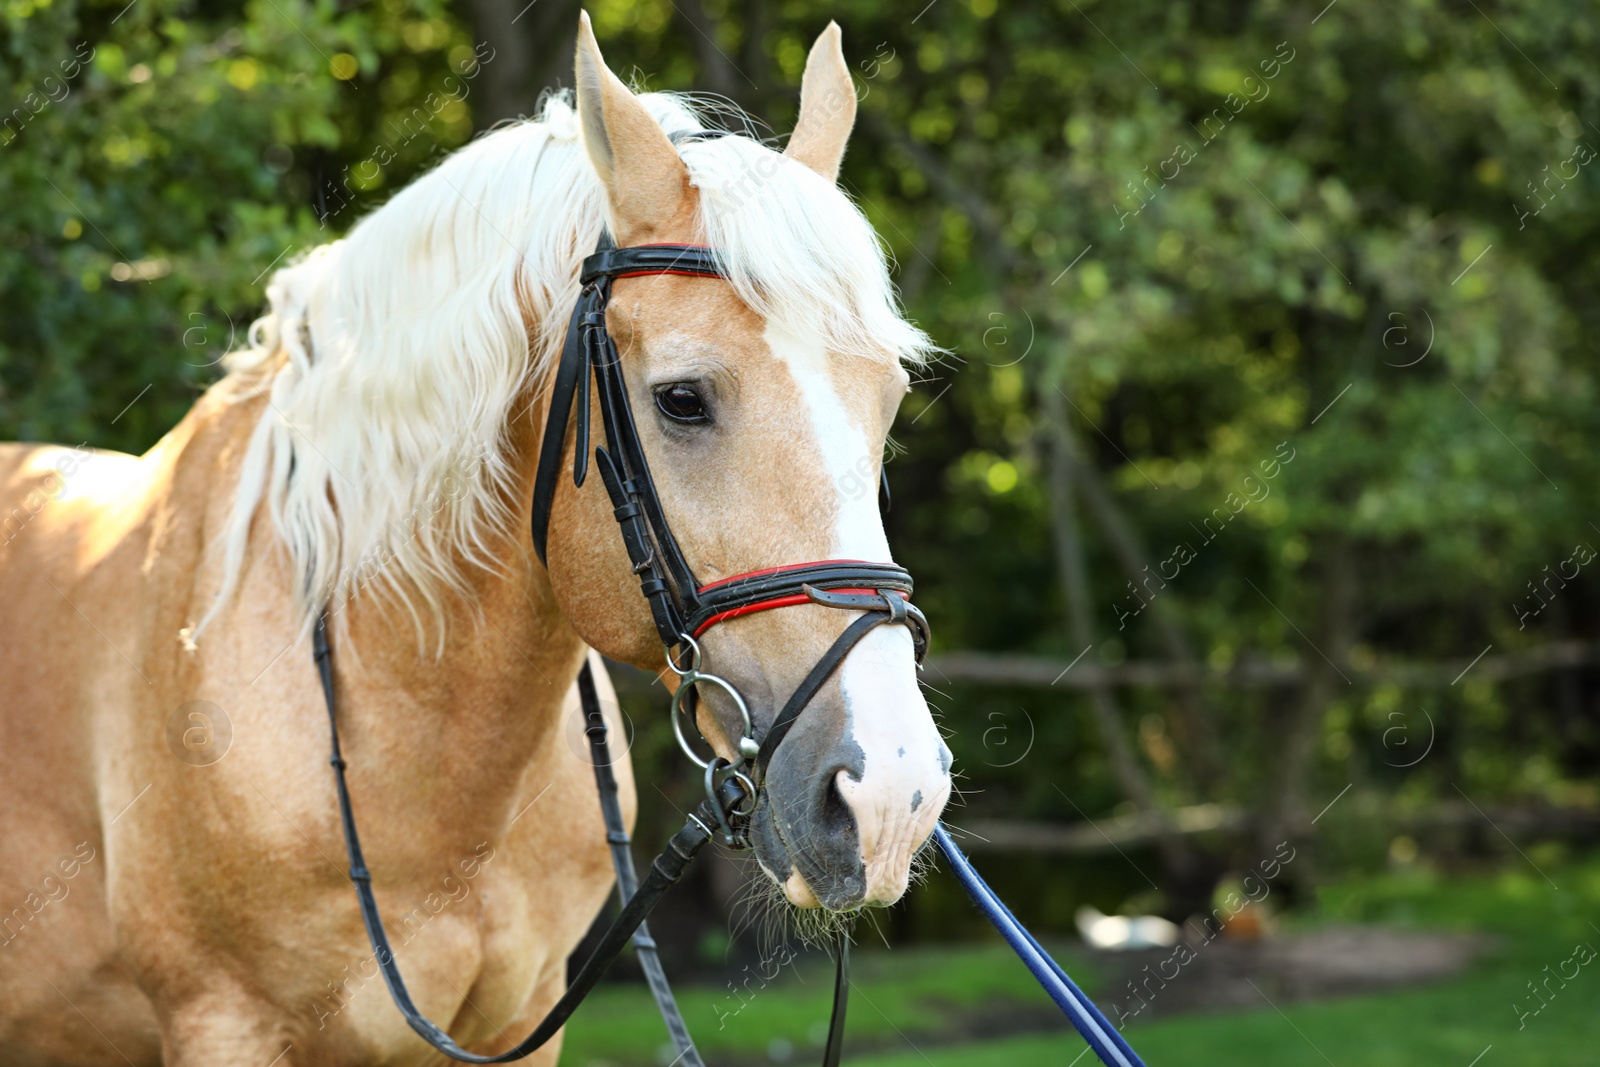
483, 943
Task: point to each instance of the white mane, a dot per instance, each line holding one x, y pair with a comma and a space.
392, 358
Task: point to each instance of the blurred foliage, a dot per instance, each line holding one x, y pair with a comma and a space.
1228, 233
160, 157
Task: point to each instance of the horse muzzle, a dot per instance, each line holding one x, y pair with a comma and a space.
839, 818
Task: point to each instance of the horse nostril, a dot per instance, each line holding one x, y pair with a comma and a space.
812, 830
833, 810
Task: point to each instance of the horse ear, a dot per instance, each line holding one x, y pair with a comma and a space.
646, 183
827, 107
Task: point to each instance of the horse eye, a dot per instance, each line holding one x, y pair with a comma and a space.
681, 403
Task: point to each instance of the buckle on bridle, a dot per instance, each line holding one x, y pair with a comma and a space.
882, 600
898, 605
732, 797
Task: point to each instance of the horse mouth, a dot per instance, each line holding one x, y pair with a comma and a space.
806, 881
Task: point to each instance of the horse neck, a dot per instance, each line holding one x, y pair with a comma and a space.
494, 670
479, 689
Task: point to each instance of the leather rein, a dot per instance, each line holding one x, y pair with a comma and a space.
683, 610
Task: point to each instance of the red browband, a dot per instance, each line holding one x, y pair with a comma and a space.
645, 272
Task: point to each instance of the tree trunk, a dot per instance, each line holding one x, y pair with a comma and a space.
1197, 729
718, 72
1287, 813
533, 51
1190, 881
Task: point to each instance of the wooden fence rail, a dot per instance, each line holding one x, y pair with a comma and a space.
1516, 822
1036, 671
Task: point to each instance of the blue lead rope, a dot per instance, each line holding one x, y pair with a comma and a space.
1086, 1018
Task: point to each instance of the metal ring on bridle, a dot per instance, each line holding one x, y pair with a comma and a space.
686, 684
694, 657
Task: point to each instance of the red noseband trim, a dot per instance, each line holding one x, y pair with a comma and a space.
792, 600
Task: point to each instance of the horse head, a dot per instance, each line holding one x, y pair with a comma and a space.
763, 401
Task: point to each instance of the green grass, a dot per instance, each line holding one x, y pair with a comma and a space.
930, 992
912, 1006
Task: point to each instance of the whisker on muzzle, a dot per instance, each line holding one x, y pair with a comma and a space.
777, 922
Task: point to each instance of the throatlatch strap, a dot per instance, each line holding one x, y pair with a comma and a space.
586, 349
572, 369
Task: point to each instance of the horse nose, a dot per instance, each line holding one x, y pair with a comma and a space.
807, 834
854, 790
846, 849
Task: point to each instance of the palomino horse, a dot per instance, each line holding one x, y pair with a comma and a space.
173, 887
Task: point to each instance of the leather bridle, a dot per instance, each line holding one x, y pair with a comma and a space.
681, 607
683, 610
